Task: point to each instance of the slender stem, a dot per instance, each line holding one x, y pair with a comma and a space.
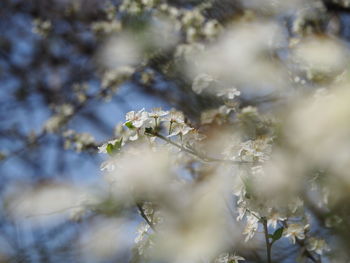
200, 156
174, 144
268, 244
253, 214
142, 213
170, 126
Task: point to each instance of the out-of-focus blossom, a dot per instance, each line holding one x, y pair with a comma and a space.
230, 94
273, 219
55, 123
141, 232
163, 32
188, 236
242, 56
151, 175
157, 113
251, 227
114, 77
321, 55
104, 238
42, 27
202, 82
175, 117
333, 221
318, 126
120, 51
106, 27
180, 129
228, 258
295, 231
45, 203
317, 245
257, 150
212, 28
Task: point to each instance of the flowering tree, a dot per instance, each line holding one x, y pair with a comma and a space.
250, 160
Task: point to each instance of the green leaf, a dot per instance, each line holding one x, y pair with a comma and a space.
129, 125
118, 144
110, 148
113, 148
277, 234
149, 131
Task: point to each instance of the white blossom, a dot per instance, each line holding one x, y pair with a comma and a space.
137, 119
257, 150
202, 82
141, 232
230, 94
295, 231
317, 245
175, 117
251, 227
157, 113
180, 129
273, 219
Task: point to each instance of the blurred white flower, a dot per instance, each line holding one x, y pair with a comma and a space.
202, 82
150, 176
273, 219
321, 54
257, 150
251, 227
175, 117
196, 222
242, 56
45, 204
163, 32
317, 245
120, 50
294, 204
157, 113
141, 231
295, 231
318, 127
104, 238
230, 94
228, 258
114, 77
180, 129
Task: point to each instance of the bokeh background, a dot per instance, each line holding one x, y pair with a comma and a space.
63, 91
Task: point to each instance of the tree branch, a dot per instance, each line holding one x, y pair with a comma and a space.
199, 155
267, 241
142, 213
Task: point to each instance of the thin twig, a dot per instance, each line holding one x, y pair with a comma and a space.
200, 156
142, 213
268, 244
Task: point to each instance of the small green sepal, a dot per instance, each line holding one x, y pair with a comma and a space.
129, 125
